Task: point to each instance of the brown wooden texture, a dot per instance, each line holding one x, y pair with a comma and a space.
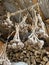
1, 45
44, 4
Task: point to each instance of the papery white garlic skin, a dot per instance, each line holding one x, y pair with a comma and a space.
9, 46
41, 43
14, 45
21, 44
5, 23
34, 41
41, 31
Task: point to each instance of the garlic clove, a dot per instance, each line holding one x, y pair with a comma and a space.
21, 45
14, 45
40, 44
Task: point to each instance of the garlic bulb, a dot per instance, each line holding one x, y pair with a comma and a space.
13, 45
16, 39
41, 43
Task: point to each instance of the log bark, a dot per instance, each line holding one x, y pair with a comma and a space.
44, 4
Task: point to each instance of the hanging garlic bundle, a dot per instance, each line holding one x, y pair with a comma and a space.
38, 30
16, 40
35, 40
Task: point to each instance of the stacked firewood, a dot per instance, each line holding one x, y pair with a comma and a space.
29, 54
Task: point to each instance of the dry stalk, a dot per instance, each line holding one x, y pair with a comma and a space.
23, 23
16, 40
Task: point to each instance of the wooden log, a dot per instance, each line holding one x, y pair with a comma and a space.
44, 4
1, 44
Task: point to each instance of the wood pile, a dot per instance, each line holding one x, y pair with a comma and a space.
29, 54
